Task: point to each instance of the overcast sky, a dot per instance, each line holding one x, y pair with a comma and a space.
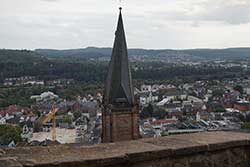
172, 24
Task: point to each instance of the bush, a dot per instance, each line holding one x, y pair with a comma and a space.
152, 111
219, 110
67, 119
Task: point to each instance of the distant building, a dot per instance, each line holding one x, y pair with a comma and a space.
13, 110
45, 96
148, 97
175, 94
8, 82
146, 88
242, 106
59, 82
24, 80
247, 91
162, 122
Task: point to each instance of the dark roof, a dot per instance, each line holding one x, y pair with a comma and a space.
146, 94
119, 88
175, 93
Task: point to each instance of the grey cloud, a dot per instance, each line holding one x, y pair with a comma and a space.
50, 0
231, 15
212, 11
81, 23
227, 11
56, 31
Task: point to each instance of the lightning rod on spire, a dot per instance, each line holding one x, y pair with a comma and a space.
120, 4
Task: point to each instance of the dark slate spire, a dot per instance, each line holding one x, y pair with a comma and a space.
119, 88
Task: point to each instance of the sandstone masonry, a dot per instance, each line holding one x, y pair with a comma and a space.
210, 149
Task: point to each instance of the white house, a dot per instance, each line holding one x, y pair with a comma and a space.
2, 120
146, 88
148, 97
172, 95
45, 96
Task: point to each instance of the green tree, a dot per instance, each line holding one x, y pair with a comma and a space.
219, 109
10, 133
159, 113
218, 93
67, 119
151, 111
147, 112
239, 88
77, 115
245, 125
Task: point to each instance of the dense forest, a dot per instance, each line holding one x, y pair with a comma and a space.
28, 63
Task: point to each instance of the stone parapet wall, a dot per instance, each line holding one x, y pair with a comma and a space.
210, 149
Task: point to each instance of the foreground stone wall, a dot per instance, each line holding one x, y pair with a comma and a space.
211, 149
235, 157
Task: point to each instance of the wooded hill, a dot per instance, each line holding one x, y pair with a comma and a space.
209, 54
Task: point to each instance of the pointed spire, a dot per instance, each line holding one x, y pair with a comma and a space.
119, 88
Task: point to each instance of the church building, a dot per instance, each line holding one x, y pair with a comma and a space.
120, 114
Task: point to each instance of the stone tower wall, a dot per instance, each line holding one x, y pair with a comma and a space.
120, 125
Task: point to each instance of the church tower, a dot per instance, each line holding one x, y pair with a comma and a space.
120, 114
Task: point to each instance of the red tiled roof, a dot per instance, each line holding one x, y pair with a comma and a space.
163, 121
12, 109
